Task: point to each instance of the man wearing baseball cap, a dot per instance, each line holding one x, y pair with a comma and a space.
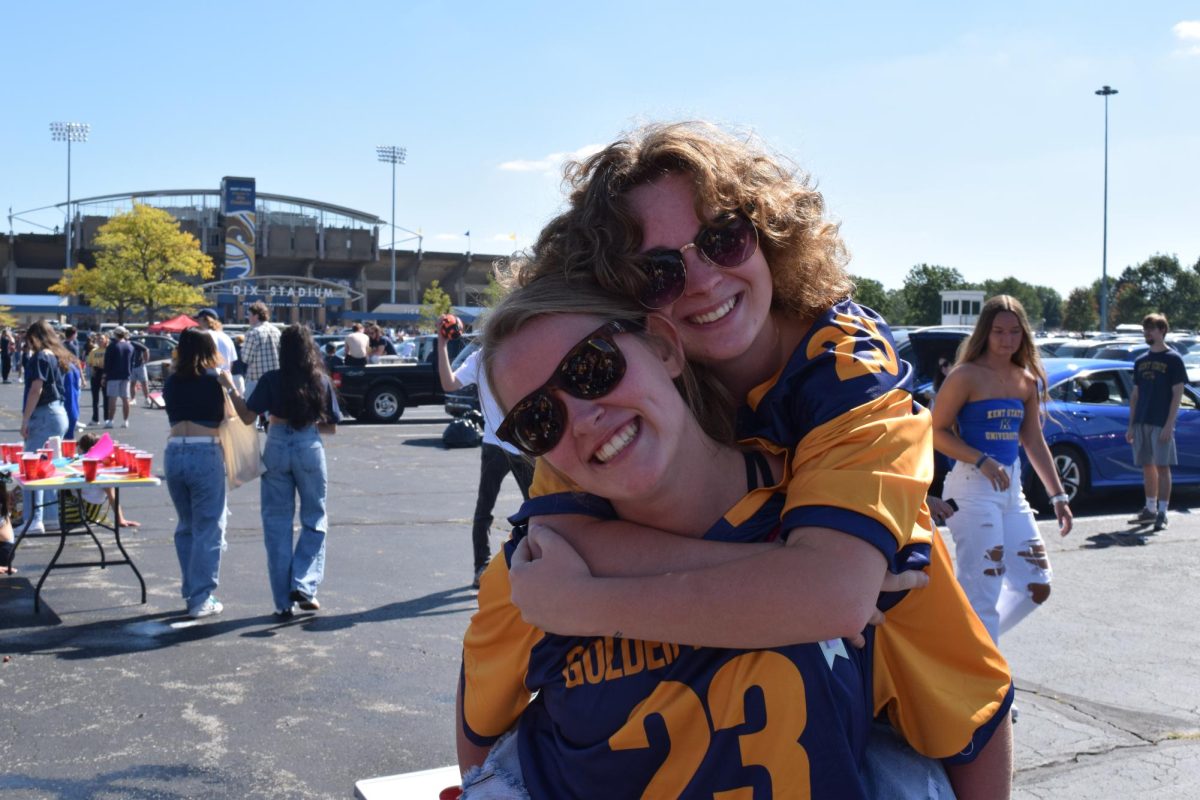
118, 369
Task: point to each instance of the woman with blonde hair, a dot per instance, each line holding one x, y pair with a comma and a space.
45, 413
991, 404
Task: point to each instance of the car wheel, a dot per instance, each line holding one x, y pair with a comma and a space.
1072, 471
385, 403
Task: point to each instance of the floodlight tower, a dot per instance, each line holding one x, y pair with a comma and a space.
1105, 92
69, 132
393, 155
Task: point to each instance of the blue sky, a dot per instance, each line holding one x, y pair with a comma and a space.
960, 134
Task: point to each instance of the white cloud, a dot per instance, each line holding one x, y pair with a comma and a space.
550, 163
1188, 34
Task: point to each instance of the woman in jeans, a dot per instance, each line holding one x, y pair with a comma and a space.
195, 469
300, 401
44, 412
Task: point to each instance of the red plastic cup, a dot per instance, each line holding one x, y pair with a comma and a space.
68, 448
144, 460
90, 465
12, 453
29, 465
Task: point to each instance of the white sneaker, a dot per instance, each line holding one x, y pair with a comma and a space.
108, 423
125, 424
35, 527
210, 608
81, 425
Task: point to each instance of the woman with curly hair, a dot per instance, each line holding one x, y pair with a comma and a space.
301, 404
734, 247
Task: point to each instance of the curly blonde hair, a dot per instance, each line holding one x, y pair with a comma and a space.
599, 234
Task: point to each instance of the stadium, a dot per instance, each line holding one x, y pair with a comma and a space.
310, 261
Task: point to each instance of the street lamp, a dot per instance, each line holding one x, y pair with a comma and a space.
69, 132
393, 155
1105, 92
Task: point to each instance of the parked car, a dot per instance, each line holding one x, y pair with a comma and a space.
1191, 362
1085, 426
923, 349
380, 392
160, 345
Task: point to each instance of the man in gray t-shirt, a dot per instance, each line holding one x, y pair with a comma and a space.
118, 370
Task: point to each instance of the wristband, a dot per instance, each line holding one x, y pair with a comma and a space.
1059, 498
982, 459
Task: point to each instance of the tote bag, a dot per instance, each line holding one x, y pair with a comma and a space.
239, 443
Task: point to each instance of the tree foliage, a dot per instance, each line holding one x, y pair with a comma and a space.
1162, 284
922, 293
434, 303
143, 263
870, 293
1026, 295
1081, 313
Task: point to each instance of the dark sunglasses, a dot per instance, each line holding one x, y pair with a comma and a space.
727, 242
591, 369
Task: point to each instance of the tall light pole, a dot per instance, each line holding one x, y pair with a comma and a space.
392, 155
1105, 92
69, 132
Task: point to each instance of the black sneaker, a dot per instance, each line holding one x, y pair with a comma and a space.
478, 575
284, 616
305, 602
1160, 521
1144, 517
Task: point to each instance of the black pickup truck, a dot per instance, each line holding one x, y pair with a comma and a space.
381, 392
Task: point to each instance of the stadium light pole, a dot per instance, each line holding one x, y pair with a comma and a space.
393, 155
69, 132
1105, 92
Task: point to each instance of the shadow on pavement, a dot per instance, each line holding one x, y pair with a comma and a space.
156, 782
156, 631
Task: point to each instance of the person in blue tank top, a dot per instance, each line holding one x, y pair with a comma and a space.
991, 405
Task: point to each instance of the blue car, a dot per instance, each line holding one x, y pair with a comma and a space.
1086, 424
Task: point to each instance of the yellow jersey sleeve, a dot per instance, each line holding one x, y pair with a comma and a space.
937, 674
496, 651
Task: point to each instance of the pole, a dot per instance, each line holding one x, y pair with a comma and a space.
393, 295
1105, 92
67, 227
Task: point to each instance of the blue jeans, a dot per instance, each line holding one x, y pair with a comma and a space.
295, 462
196, 482
45, 421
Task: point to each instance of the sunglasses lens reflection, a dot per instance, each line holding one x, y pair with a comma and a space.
665, 278
728, 245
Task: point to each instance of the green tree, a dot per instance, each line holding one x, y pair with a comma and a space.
1160, 283
897, 307
1052, 307
1080, 313
1026, 295
923, 287
434, 303
870, 293
143, 263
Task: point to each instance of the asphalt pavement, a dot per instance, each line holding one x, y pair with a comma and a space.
106, 697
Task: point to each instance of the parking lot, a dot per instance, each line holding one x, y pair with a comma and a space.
105, 697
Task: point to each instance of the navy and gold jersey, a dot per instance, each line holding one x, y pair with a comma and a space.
613, 717
862, 449
861, 462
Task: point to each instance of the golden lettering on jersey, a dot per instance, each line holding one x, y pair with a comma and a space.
1006, 413
609, 659
843, 337
775, 746
1001, 435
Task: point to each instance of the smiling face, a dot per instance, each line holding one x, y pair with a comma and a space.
724, 312
1006, 335
622, 445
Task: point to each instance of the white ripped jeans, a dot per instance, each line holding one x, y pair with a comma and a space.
1000, 552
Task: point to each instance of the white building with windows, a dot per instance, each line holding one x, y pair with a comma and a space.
961, 306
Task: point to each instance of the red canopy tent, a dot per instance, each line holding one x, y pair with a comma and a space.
175, 325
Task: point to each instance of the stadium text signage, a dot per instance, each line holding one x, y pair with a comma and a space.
259, 290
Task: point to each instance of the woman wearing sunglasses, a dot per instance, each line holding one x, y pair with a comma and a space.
616, 716
734, 249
